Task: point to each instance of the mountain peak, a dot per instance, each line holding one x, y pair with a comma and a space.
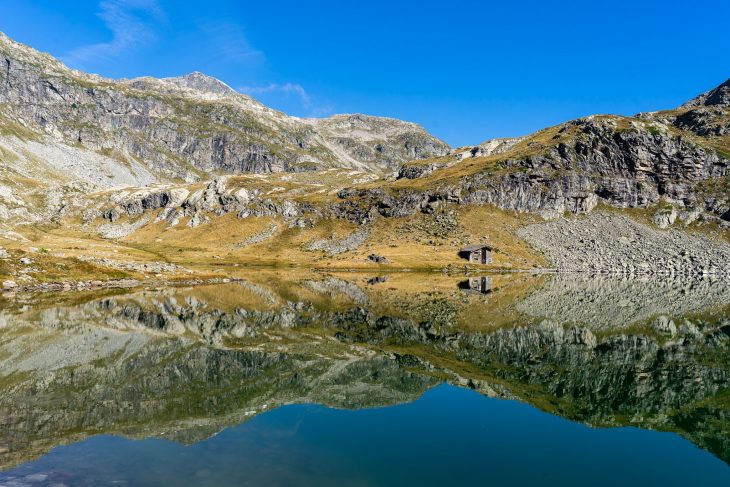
719, 96
202, 82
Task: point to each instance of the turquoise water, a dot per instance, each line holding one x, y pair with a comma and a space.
449, 436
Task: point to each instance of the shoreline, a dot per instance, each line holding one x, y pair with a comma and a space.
98, 285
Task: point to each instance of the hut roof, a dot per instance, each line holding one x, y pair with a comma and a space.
472, 248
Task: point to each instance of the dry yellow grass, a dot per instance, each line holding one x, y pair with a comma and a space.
215, 247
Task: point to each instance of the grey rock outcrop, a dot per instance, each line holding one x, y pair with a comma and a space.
625, 168
627, 163
488, 148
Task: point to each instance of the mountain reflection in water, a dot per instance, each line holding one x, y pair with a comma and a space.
185, 363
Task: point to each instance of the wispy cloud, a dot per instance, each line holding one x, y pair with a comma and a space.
296, 90
286, 88
131, 22
231, 42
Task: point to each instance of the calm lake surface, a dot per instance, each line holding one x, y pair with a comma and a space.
369, 380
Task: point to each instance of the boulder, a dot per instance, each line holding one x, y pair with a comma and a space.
176, 197
665, 217
8, 285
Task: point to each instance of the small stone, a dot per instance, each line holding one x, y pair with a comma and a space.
25, 261
7, 285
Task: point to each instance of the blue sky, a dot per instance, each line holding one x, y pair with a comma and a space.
467, 71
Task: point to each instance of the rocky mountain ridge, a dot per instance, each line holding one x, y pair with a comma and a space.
627, 162
185, 128
622, 161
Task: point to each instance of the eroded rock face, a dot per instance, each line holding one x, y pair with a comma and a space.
201, 82
190, 126
665, 218
382, 141
171, 204
606, 149
337, 244
705, 121
706, 115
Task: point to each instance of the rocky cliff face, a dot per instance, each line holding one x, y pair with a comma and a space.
197, 81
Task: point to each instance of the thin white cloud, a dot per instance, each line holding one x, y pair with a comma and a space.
308, 103
131, 22
231, 42
286, 88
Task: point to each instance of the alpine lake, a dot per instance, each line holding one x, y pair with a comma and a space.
295, 378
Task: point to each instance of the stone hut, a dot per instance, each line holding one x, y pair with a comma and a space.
477, 254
